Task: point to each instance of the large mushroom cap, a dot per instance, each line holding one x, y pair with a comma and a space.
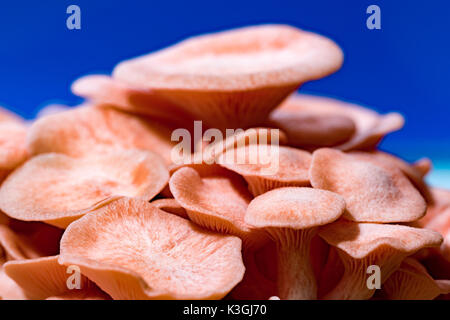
296, 208
58, 189
361, 239
234, 78
88, 129
240, 59
266, 167
372, 192
132, 250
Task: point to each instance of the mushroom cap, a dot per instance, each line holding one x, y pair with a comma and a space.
216, 201
371, 127
267, 167
106, 90
310, 130
12, 145
41, 278
170, 205
294, 208
241, 59
359, 240
372, 192
58, 189
391, 162
87, 129
411, 281
131, 249
28, 240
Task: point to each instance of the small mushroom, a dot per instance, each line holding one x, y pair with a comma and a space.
233, 79
58, 189
361, 245
372, 192
132, 250
267, 167
411, 281
291, 217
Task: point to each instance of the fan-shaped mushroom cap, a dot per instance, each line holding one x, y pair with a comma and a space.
58, 189
132, 250
363, 244
411, 281
9, 290
266, 167
309, 130
391, 162
234, 78
13, 150
171, 206
370, 126
372, 193
44, 277
216, 200
87, 129
291, 217
103, 89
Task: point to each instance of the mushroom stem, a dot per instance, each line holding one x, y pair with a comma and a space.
296, 279
353, 284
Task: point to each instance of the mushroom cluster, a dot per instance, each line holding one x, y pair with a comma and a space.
297, 203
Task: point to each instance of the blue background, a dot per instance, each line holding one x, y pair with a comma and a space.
402, 67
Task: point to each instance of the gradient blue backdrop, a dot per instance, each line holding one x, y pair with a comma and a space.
403, 67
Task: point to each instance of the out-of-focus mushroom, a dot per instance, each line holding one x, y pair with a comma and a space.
58, 189
411, 281
372, 192
267, 167
44, 277
361, 245
95, 129
370, 127
233, 79
291, 217
308, 130
13, 152
157, 255
105, 90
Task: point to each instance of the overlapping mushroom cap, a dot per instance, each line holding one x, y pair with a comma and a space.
372, 192
94, 129
234, 78
13, 150
216, 199
157, 256
58, 189
361, 245
339, 124
266, 166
